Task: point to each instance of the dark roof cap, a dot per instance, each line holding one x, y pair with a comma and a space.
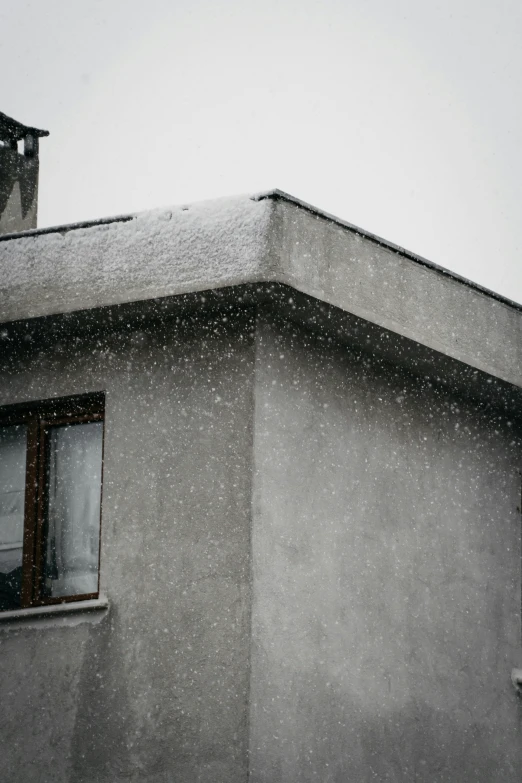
11, 130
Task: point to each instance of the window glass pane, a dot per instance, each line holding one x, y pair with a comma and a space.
73, 509
13, 444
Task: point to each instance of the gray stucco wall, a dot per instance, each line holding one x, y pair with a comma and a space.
349, 613
155, 690
386, 575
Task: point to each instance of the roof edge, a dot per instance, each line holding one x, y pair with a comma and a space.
276, 194
281, 195
66, 227
293, 307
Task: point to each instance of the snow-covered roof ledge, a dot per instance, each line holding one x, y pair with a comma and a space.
163, 252
262, 238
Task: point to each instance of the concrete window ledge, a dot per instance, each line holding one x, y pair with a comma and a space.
66, 614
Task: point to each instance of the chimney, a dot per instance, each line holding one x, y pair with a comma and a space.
18, 175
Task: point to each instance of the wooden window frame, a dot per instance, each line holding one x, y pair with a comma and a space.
39, 417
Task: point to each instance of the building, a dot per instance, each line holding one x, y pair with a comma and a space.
310, 539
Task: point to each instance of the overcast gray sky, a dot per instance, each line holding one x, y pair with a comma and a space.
402, 116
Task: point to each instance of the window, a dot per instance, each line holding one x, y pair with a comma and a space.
50, 501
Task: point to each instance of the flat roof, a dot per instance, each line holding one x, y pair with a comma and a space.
266, 238
277, 194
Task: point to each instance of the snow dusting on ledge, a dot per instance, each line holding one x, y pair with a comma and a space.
265, 238
163, 252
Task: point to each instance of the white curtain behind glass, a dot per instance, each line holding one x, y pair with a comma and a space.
13, 445
73, 533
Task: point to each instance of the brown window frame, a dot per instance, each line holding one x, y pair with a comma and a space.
39, 418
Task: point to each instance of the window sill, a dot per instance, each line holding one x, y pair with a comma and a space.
55, 615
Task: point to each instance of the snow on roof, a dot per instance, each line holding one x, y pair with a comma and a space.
157, 253
269, 238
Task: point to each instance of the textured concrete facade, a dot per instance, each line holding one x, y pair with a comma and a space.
311, 506
156, 688
386, 574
